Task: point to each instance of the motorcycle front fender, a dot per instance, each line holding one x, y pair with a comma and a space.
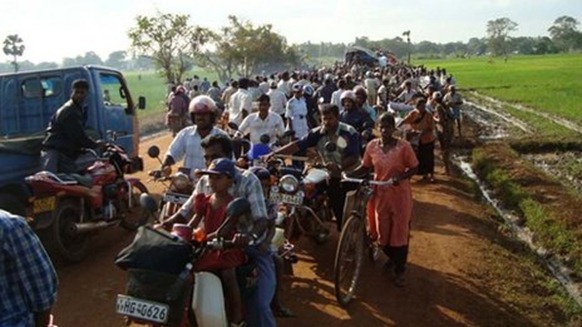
208, 300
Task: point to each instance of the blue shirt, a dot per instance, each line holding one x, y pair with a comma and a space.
318, 137
28, 281
358, 119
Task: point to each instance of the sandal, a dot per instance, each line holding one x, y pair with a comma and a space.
283, 312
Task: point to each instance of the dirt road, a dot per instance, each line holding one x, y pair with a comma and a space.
462, 271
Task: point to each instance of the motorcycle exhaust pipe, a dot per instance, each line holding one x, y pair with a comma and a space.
83, 228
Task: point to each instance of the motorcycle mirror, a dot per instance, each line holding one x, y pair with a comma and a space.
330, 147
153, 151
265, 139
148, 202
232, 125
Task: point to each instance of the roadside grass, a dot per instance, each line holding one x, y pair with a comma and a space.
550, 83
553, 232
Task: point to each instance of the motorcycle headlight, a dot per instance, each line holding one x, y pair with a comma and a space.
289, 183
180, 181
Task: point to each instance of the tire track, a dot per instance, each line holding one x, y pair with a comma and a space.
557, 120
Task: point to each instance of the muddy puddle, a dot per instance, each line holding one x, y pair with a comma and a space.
566, 166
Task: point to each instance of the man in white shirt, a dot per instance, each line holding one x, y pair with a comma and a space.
371, 85
383, 94
296, 112
283, 84
228, 92
186, 145
278, 100
261, 123
241, 103
454, 101
336, 95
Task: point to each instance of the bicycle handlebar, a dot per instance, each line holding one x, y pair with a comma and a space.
371, 182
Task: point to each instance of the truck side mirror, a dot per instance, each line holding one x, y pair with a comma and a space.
141, 102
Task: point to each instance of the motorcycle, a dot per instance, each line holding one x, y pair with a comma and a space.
159, 296
302, 195
255, 151
67, 208
177, 192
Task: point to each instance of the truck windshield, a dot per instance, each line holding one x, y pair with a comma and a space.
114, 92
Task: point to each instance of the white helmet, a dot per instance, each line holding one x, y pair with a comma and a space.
348, 95
202, 104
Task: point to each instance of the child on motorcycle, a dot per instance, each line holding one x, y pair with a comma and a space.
211, 211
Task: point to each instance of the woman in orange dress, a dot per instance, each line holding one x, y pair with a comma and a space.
390, 208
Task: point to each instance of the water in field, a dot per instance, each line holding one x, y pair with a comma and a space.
563, 274
566, 166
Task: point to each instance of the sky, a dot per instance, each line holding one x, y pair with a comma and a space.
54, 29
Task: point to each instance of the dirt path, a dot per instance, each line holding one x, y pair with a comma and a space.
462, 272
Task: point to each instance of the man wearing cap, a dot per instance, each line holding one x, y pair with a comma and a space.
248, 186
241, 102
296, 112
65, 135
278, 100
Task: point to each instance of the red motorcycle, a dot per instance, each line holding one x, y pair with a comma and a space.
67, 208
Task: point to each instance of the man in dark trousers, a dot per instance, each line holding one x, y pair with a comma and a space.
65, 135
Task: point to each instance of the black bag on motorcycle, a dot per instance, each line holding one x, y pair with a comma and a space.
155, 250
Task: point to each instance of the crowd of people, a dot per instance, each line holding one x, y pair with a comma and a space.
360, 109
356, 107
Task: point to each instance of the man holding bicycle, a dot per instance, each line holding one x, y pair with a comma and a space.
338, 145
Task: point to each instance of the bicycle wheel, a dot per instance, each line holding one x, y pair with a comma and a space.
348, 259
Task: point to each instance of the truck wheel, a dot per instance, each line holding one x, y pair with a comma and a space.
69, 245
13, 204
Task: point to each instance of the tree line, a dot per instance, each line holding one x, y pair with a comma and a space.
170, 44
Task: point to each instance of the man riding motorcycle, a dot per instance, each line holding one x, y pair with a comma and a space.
248, 186
66, 136
344, 156
186, 145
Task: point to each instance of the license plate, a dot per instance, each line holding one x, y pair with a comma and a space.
176, 198
142, 309
44, 204
295, 199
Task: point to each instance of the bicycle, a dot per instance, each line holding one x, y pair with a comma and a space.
354, 240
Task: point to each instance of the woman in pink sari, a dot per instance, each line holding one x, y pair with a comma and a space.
390, 209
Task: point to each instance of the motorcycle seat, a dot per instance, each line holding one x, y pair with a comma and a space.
76, 178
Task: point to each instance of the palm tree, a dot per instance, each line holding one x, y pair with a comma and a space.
14, 48
407, 34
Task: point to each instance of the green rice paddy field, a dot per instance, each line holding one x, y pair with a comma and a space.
550, 83
153, 87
